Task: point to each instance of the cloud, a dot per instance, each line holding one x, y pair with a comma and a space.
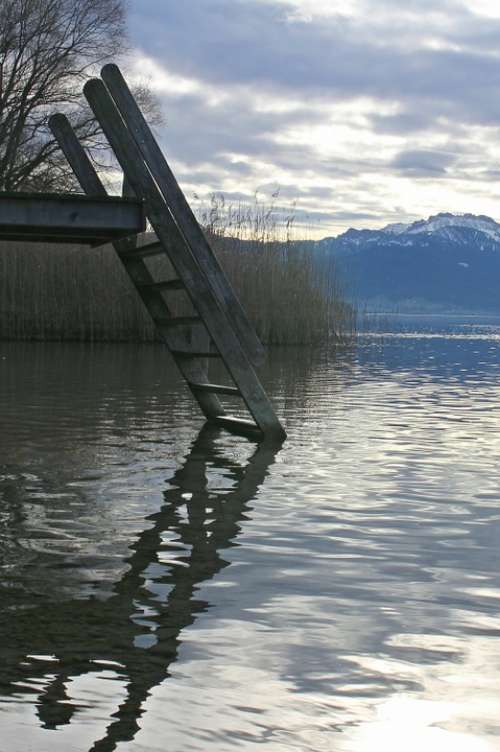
422, 163
329, 97
228, 42
404, 122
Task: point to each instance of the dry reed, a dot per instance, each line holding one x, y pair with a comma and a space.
275, 276
74, 293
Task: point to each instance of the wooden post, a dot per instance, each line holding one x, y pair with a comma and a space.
136, 268
169, 234
187, 222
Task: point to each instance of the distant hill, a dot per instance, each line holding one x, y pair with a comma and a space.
448, 262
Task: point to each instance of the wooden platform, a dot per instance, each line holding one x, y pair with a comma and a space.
69, 218
217, 327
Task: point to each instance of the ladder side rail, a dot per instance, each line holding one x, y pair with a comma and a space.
167, 231
90, 182
182, 213
200, 338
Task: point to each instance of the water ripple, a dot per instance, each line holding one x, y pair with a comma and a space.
338, 593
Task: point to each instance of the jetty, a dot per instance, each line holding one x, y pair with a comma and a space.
218, 329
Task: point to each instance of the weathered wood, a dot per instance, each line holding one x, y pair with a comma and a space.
66, 239
68, 217
76, 156
143, 251
239, 425
184, 217
215, 388
200, 292
173, 321
89, 180
187, 268
194, 354
167, 284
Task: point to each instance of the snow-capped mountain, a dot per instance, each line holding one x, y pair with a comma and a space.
452, 227
459, 229
446, 262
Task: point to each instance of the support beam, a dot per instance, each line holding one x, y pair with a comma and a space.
65, 218
140, 175
184, 217
174, 339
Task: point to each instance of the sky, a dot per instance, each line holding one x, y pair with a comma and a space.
355, 113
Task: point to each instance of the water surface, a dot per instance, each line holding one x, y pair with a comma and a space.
170, 587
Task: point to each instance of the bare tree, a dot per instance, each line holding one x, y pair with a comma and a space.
47, 49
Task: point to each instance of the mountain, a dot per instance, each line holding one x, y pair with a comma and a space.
448, 262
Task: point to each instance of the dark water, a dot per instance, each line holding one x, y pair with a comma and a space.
169, 589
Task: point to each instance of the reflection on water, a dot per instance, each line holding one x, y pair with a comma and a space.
166, 587
135, 631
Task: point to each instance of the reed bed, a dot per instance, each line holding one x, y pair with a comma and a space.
61, 292
56, 292
289, 298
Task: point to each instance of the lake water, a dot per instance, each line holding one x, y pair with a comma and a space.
169, 589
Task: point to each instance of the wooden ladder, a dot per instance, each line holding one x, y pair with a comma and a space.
219, 328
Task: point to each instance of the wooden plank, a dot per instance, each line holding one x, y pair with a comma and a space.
143, 251
89, 180
167, 284
187, 222
173, 321
167, 231
239, 425
194, 354
61, 239
215, 388
69, 216
76, 156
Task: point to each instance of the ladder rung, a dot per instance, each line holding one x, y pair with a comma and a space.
151, 249
236, 424
168, 284
215, 388
178, 321
195, 354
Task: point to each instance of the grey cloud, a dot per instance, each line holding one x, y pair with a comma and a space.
244, 47
229, 127
294, 191
489, 175
404, 122
228, 42
301, 215
316, 192
201, 138
422, 163
353, 215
